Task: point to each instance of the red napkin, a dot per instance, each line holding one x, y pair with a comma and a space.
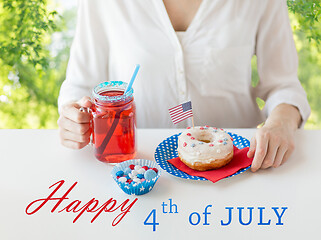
239, 161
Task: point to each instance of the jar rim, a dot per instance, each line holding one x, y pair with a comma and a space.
110, 86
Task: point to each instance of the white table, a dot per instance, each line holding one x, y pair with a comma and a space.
33, 160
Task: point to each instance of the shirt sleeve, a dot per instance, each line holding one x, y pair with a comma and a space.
277, 61
87, 64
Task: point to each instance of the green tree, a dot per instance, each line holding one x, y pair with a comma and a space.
307, 13
30, 75
24, 25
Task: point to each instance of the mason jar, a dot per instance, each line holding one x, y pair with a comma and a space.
113, 122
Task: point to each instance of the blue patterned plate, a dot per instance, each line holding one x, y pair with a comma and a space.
168, 149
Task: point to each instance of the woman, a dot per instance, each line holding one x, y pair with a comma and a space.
190, 50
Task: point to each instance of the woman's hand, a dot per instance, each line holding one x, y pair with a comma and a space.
273, 144
74, 125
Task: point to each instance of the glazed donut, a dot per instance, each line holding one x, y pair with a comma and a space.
205, 148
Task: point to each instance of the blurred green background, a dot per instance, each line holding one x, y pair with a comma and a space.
35, 38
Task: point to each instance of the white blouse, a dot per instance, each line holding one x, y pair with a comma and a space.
210, 64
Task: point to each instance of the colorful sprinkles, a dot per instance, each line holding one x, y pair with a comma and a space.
215, 130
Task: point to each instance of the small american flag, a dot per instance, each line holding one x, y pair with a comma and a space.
181, 112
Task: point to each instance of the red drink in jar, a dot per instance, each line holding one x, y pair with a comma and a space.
114, 122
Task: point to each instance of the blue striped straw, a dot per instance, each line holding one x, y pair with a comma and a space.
133, 79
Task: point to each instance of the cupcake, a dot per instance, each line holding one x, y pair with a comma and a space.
136, 176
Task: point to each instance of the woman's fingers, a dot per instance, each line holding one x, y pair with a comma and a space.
289, 151
71, 111
261, 150
85, 102
69, 125
73, 145
74, 125
250, 153
279, 156
272, 150
73, 135
81, 138
273, 147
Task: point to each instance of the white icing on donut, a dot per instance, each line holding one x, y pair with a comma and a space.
204, 144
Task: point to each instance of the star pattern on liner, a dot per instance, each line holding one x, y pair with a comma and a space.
127, 187
142, 189
150, 188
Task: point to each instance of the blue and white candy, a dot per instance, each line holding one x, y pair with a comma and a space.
127, 171
122, 179
150, 174
137, 175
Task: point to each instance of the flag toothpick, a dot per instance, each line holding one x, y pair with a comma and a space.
181, 112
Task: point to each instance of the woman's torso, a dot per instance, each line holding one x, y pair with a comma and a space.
211, 65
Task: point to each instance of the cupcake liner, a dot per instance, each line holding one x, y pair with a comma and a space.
136, 188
